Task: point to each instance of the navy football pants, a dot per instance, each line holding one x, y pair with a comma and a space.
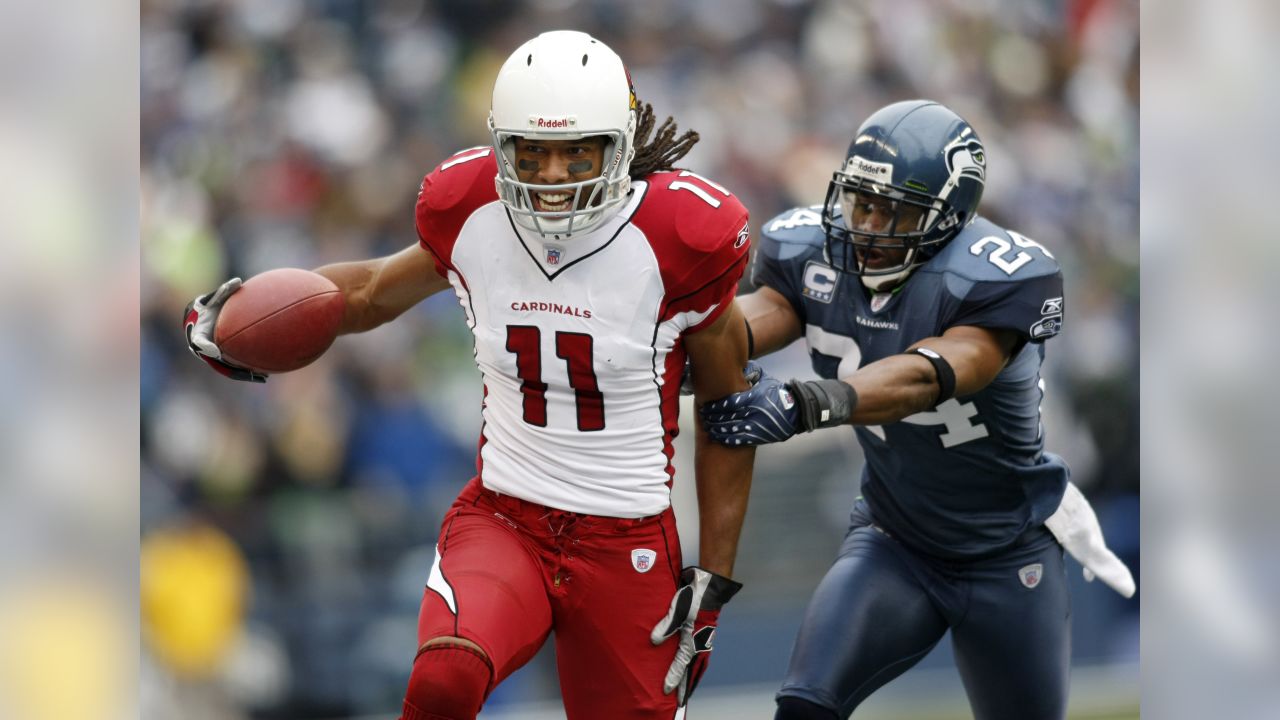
882, 607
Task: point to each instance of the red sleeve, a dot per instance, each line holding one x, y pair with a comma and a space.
448, 196
699, 233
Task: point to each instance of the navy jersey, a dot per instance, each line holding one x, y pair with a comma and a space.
970, 476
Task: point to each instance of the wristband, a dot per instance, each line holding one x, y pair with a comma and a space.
945, 375
823, 403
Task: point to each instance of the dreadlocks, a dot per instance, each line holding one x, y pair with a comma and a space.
665, 148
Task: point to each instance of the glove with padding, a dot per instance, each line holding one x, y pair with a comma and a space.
765, 413
1076, 527
695, 609
771, 411
199, 320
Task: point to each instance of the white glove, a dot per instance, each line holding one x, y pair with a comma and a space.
199, 320
694, 613
1076, 526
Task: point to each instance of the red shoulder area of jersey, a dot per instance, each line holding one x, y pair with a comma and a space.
449, 195
698, 231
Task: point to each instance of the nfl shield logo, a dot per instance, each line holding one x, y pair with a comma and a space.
1030, 575
879, 300
553, 255
642, 559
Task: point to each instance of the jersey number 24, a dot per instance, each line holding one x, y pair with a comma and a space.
1001, 248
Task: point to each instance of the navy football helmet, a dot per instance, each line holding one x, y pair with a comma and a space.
911, 180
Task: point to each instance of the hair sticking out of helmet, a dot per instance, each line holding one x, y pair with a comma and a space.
911, 180
559, 86
665, 149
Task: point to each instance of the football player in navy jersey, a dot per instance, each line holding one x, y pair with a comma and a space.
928, 325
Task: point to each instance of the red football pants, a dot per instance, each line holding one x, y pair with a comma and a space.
508, 572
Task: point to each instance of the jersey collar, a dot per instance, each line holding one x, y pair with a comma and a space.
553, 257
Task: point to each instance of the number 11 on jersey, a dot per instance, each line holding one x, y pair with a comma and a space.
576, 350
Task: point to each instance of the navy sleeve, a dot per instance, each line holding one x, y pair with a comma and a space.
1031, 308
786, 243
769, 270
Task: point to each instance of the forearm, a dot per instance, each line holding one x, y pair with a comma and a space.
724, 483
891, 389
379, 290
902, 385
356, 281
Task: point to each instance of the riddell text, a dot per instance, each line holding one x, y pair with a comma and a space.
550, 307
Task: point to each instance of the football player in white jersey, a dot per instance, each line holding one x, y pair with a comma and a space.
588, 270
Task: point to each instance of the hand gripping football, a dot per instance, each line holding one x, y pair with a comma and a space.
280, 320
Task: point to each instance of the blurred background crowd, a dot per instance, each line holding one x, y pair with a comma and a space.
287, 529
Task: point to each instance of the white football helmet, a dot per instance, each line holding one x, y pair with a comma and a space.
564, 85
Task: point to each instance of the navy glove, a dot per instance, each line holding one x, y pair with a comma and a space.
199, 320
772, 411
766, 413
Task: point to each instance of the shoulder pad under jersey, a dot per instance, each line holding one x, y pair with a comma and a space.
986, 252
700, 235
692, 223
1002, 280
792, 234
449, 194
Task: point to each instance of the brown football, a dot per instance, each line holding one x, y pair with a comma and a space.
280, 320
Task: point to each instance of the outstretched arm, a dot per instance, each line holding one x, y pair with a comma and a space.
381, 289
897, 386
902, 385
965, 359
375, 291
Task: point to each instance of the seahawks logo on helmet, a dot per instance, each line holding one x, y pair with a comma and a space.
965, 158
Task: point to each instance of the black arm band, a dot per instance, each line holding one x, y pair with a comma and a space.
823, 403
941, 368
751, 340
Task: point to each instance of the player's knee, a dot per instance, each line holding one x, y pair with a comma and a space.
449, 681
794, 708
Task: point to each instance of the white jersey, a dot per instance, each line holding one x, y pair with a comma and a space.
580, 342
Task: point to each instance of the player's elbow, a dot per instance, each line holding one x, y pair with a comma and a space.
919, 392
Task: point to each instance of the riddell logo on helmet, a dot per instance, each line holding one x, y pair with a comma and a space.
552, 123
874, 171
